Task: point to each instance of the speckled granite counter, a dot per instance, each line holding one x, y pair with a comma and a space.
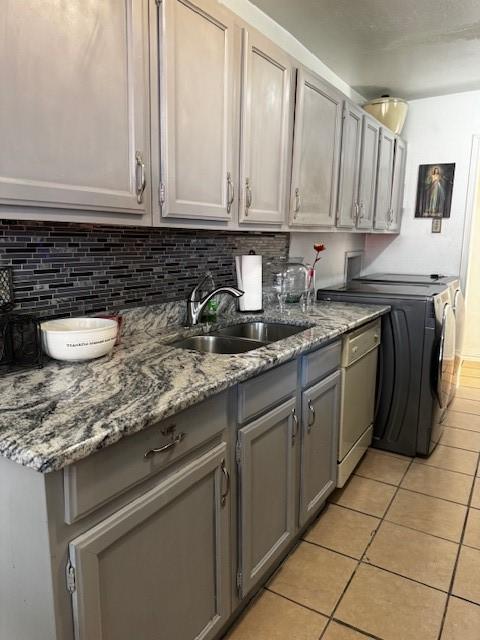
54, 416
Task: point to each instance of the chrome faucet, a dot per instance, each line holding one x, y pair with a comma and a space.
196, 304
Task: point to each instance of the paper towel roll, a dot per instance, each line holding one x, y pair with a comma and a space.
249, 279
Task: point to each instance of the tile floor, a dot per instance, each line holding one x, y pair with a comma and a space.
396, 553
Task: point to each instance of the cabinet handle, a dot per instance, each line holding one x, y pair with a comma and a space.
361, 205
226, 475
170, 445
376, 337
139, 176
311, 419
248, 196
295, 426
355, 214
297, 202
230, 192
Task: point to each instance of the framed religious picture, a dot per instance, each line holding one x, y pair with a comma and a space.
434, 190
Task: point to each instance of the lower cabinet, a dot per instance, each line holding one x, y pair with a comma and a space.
266, 461
320, 424
159, 568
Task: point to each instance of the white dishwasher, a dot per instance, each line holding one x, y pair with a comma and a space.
359, 375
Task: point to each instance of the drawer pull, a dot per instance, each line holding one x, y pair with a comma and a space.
295, 426
354, 349
376, 337
311, 419
226, 475
170, 445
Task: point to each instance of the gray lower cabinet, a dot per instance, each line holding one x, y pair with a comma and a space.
320, 423
158, 568
266, 462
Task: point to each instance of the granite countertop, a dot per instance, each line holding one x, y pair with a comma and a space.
54, 416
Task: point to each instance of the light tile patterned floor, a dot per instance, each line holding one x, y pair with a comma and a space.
396, 553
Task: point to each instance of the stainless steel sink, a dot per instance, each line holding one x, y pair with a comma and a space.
263, 331
218, 344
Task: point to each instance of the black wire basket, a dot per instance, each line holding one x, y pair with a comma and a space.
6, 290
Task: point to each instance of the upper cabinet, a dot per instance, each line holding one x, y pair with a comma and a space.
74, 108
347, 210
198, 63
386, 149
266, 108
316, 152
398, 185
177, 112
368, 173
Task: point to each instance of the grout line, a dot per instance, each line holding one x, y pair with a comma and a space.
321, 546
390, 484
401, 575
471, 475
299, 604
405, 526
429, 495
349, 626
454, 573
367, 547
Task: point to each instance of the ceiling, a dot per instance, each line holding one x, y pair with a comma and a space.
407, 48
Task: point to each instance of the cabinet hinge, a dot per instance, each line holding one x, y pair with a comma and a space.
161, 193
71, 580
239, 582
238, 452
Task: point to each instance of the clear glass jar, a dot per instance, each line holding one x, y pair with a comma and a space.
295, 281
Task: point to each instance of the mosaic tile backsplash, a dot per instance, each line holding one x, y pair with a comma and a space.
62, 269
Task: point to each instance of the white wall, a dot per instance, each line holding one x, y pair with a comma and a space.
438, 130
330, 269
284, 39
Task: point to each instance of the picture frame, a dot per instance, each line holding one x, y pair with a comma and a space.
436, 225
434, 190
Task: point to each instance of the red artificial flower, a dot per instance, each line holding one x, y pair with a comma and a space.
319, 247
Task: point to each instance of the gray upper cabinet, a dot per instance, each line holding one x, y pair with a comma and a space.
320, 424
74, 107
398, 185
316, 152
266, 107
368, 173
347, 209
159, 568
198, 64
265, 456
386, 149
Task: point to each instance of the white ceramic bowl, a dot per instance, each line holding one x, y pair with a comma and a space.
76, 339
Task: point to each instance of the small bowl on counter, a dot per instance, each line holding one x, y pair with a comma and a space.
78, 339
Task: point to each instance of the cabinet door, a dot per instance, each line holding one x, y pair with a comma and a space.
159, 568
347, 209
368, 173
265, 455
320, 423
316, 152
398, 184
197, 102
383, 197
73, 122
266, 90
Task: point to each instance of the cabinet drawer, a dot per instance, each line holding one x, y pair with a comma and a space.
93, 481
360, 342
319, 363
266, 390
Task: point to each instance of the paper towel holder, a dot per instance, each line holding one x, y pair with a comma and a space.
241, 283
